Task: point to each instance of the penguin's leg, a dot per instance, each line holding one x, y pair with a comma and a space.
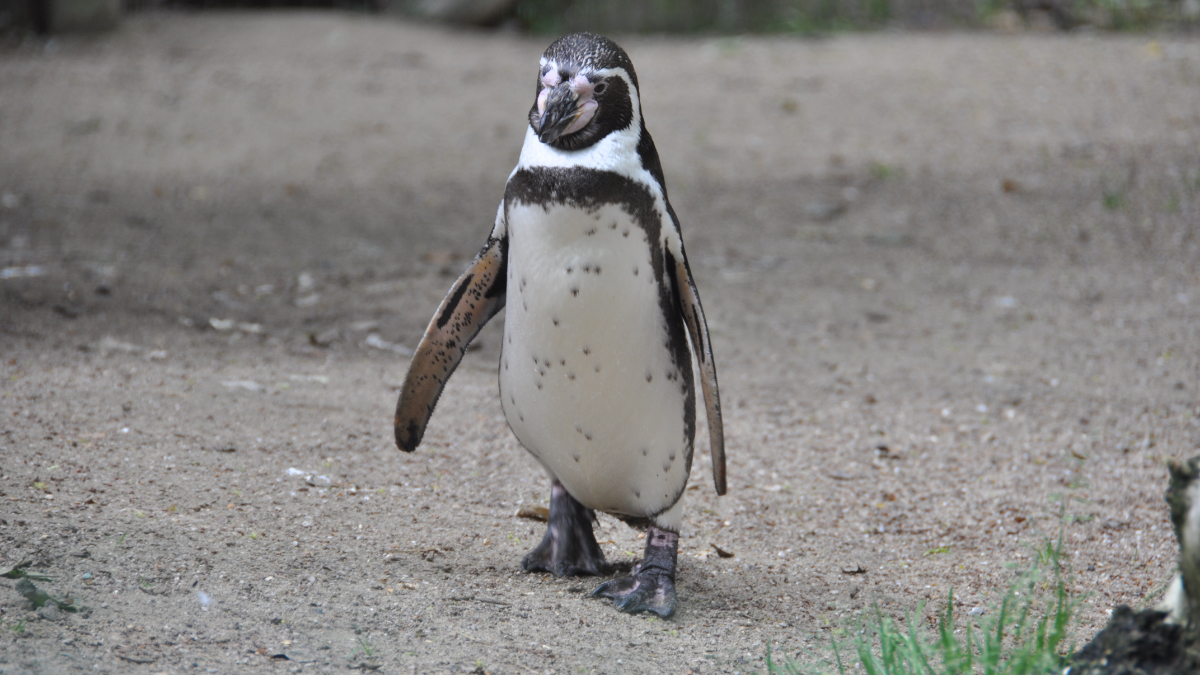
569, 547
650, 587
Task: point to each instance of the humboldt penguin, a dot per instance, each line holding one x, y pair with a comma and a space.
596, 375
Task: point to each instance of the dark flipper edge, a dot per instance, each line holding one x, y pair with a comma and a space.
693, 315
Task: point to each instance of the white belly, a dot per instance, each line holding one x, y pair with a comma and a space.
587, 380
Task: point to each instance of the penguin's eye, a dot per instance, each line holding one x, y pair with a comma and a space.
599, 88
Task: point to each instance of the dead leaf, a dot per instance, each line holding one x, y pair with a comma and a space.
858, 569
534, 513
722, 552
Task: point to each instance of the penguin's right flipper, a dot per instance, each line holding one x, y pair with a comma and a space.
474, 299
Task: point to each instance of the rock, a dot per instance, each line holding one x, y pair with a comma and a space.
1142, 642
823, 212
1163, 640
49, 612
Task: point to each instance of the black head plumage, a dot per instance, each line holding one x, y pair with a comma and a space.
584, 91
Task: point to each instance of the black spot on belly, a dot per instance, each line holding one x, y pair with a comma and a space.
562, 362
539, 385
649, 377
637, 493
587, 350
613, 226
666, 466
570, 376
635, 270
555, 320
597, 270
574, 291
671, 456
588, 436
644, 451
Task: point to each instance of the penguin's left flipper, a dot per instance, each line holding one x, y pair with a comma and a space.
474, 299
693, 316
650, 587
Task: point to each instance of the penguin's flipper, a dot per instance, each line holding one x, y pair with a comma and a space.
693, 315
474, 299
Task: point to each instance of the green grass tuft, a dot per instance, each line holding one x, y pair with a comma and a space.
1026, 635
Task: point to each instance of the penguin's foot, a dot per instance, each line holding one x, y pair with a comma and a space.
650, 587
569, 547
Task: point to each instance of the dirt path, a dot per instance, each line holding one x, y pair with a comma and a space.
951, 281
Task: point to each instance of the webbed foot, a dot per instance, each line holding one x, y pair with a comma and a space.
569, 547
650, 587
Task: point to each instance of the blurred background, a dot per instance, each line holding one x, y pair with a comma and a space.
662, 16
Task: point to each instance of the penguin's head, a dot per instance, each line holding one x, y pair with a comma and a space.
586, 90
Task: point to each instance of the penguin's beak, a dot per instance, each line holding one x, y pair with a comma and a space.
565, 108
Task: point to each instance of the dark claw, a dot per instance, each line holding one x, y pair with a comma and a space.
569, 547
651, 585
635, 594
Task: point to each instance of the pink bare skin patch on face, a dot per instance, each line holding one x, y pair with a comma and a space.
550, 80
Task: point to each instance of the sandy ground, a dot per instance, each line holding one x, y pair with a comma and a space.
951, 281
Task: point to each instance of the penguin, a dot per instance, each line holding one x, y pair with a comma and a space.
602, 319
